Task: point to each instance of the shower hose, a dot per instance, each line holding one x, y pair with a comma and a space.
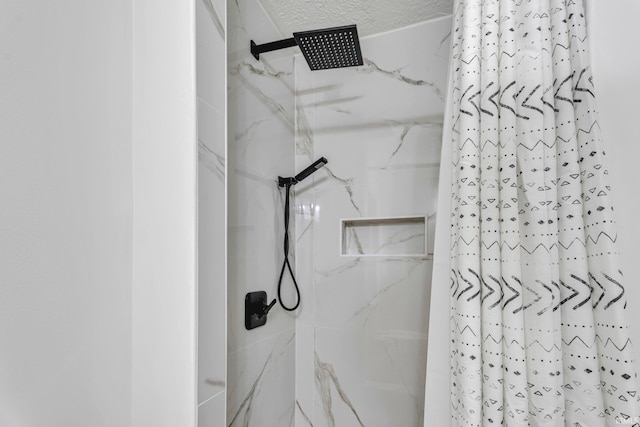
285, 263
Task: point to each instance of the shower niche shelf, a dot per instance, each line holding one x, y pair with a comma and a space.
391, 236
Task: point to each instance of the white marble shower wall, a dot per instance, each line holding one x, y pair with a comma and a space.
211, 105
260, 372
362, 329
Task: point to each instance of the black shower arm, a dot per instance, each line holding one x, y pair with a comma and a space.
257, 49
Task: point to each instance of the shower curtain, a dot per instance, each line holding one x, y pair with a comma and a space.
538, 330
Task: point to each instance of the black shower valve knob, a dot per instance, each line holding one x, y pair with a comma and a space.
267, 308
256, 309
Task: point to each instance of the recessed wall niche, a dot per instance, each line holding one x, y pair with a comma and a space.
397, 236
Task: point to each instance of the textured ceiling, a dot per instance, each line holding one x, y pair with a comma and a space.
371, 16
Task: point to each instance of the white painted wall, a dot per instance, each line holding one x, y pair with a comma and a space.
164, 220
65, 213
616, 65
97, 214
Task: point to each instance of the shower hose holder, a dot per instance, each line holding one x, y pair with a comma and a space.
283, 182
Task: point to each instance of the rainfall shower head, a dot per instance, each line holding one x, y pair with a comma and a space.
330, 48
336, 47
282, 182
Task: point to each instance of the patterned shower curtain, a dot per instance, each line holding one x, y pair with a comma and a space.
538, 330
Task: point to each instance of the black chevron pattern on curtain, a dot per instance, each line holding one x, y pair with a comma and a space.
538, 329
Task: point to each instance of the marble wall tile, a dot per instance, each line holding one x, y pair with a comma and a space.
354, 295
260, 149
306, 215
305, 362
217, 10
210, 49
246, 21
261, 383
380, 127
211, 140
211, 252
211, 107
372, 380
261, 125
212, 412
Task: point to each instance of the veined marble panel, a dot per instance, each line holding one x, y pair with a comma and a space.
211, 141
306, 215
211, 252
210, 48
367, 294
305, 368
210, 73
261, 115
247, 21
380, 127
261, 383
212, 412
260, 149
373, 380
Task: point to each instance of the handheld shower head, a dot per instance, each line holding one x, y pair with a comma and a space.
282, 182
311, 169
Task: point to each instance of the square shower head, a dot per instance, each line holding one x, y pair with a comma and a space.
330, 47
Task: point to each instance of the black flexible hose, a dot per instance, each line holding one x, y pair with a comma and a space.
286, 255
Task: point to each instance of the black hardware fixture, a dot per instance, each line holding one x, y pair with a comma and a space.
256, 309
287, 183
293, 180
255, 303
323, 49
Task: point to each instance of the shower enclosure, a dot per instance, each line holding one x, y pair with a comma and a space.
361, 229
